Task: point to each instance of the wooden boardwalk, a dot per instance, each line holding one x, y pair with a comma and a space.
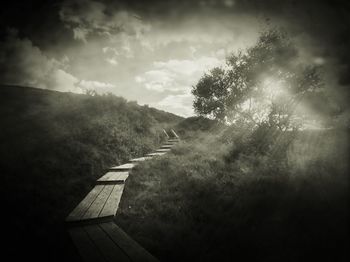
91, 225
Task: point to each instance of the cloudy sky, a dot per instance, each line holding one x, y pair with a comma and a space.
154, 51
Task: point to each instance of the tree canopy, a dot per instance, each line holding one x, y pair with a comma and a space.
261, 85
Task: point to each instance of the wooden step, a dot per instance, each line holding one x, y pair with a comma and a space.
125, 167
107, 242
130, 246
140, 159
170, 143
113, 177
100, 204
166, 146
156, 154
163, 150
173, 140
95, 245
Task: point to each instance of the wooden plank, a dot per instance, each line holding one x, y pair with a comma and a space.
173, 140
124, 167
96, 207
170, 143
86, 248
162, 150
106, 245
166, 146
111, 206
113, 177
174, 133
166, 134
129, 246
140, 159
85, 204
156, 154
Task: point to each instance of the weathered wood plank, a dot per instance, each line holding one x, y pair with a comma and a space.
106, 245
156, 154
129, 246
162, 150
111, 206
124, 167
85, 204
166, 134
170, 143
140, 159
113, 177
96, 207
174, 133
86, 248
166, 146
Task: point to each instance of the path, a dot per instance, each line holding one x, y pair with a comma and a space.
91, 225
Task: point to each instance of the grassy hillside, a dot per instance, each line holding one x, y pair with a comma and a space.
53, 147
228, 195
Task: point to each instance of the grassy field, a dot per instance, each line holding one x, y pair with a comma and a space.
222, 194
53, 148
227, 195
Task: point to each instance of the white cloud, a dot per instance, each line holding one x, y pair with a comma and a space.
22, 63
112, 55
176, 75
157, 80
112, 61
188, 67
100, 87
65, 82
110, 50
178, 104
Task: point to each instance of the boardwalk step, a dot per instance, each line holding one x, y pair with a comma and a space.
163, 150
113, 177
130, 246
86, 247
156, 154
100, 204
166, 146
91, 228
107, 242
95, 245
125, 167
170, 143
140, 159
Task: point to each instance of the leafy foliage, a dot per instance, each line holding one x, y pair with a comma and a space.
264, 84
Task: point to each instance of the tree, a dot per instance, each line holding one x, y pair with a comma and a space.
262, 85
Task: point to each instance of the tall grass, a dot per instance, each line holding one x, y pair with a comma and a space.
219, 198
53, 148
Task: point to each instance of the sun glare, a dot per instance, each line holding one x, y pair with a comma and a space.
273, 88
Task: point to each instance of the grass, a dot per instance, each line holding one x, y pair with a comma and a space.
53, 148
217, 198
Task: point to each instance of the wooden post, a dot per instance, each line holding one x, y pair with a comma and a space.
166, 133
172, 131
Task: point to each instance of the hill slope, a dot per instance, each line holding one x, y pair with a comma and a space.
223, 195
53, 147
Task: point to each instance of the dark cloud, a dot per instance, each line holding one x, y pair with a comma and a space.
22, 63
108, 44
